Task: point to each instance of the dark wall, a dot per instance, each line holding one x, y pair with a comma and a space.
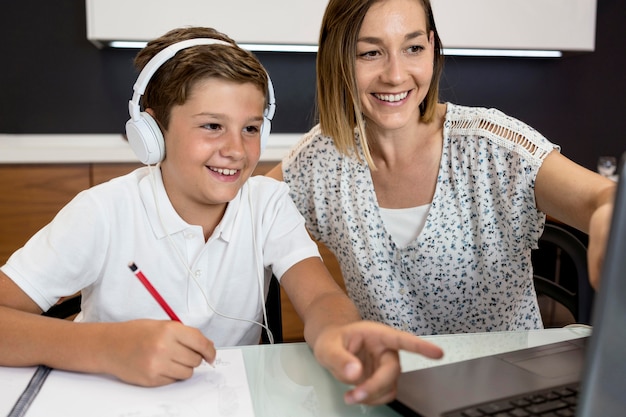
52, 80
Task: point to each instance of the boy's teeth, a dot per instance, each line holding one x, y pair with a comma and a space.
392, 97
224, 171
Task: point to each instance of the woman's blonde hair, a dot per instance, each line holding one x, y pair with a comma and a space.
338, 103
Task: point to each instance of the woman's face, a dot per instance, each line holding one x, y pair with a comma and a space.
394, 63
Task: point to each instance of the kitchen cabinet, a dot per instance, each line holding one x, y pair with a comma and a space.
30, 196
563, 25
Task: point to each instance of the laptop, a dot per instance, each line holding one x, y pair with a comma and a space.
589, 372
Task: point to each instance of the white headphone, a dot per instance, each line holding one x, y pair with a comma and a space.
143, 132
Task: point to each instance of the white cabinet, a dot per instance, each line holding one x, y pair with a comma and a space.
566, 25
563, 25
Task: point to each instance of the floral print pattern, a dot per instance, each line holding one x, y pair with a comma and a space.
470, 268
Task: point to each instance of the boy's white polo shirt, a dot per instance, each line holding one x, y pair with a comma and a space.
91, 241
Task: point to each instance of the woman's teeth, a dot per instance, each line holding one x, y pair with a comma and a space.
392, 97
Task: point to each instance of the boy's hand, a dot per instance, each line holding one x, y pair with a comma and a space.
365, 354
154, 352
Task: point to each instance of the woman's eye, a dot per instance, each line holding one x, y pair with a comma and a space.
415, 49
368, 54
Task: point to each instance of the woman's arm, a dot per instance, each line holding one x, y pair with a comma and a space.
580, 198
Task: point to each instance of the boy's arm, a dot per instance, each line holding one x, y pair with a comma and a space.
356, 352
141, 352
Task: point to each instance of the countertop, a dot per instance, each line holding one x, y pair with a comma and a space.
94, 148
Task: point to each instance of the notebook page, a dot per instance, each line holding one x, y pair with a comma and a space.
219, 391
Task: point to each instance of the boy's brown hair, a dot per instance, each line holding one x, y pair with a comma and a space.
171, 83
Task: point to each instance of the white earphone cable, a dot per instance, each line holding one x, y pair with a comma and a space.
192, 275
270, 336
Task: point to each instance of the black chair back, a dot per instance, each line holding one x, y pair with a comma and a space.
575, 293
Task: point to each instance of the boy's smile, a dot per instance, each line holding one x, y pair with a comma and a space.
212, 147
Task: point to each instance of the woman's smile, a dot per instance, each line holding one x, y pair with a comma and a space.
392, 97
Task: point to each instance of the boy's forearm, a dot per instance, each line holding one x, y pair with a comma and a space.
28, 339
318, 299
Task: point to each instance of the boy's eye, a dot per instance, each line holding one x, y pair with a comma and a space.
252, 129
212, 126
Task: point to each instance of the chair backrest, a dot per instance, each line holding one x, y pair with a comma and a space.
274, 313
66, 308
70, 306
578, 298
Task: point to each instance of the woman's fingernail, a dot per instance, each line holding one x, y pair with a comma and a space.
356, 396
352, 370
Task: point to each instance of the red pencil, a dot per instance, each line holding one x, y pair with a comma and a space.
153, 291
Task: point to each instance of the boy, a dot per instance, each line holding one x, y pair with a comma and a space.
206, 234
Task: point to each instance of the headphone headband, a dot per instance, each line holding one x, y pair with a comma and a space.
144, 135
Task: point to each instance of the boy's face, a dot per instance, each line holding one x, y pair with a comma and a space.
212, 145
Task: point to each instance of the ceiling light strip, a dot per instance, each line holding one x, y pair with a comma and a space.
520, 53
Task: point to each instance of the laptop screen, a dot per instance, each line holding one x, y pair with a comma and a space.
604, 377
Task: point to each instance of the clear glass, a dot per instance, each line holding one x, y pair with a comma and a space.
607, 165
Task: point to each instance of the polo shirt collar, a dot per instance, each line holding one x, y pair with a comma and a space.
225, 228
151, 189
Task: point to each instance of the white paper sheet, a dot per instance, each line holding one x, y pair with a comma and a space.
220, 391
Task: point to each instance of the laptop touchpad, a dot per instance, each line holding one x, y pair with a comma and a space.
550, 363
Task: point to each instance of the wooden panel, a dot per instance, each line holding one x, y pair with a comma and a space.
31, 195
103, 172
263, 167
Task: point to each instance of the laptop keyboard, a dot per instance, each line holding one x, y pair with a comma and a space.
554, 402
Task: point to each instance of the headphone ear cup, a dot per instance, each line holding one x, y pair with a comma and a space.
146, 139
266, 127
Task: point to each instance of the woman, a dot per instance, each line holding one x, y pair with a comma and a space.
432, 209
